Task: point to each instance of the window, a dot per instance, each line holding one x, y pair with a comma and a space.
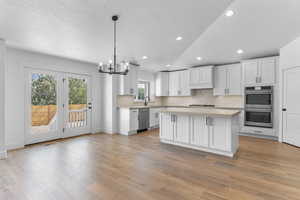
143, 90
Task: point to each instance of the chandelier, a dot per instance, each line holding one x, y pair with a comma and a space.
112, 67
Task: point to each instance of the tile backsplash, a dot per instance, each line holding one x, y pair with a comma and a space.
198, 97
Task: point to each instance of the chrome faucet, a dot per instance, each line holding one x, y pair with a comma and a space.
146, 100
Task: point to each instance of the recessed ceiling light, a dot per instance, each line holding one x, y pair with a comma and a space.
145, 57
229, 13
199, 58
240, 51
168, 65
179, 38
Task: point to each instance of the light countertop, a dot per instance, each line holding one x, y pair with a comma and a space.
202, 111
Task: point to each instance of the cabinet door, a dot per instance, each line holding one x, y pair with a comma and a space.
218, 133
152, 117
199, 131
128, 83
162, 84
205, 77
184, 83
220, 80
267, 71
194, 77
134, 119
166, 126
250, 70
181, 128
173, 83
234, 79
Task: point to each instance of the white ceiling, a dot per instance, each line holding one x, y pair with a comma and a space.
259, 27
82, 29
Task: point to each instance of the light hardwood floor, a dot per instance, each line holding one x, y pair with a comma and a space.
140, 167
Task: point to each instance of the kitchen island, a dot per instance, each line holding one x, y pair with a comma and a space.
206, 129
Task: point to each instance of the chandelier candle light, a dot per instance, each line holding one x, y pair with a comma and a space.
112, 67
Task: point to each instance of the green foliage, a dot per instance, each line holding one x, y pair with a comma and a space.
77, 91
44, 90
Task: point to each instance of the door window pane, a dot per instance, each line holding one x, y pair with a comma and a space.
77, 116
43, 103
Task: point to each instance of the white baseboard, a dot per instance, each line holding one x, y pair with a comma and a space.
3, 154
258, 136
14, 146
209, 150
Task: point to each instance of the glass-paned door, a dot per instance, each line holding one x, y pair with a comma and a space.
58, 105
77, 106
42, 98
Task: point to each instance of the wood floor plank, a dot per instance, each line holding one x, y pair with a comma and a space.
139, 167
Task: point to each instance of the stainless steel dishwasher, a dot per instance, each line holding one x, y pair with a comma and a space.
143, 119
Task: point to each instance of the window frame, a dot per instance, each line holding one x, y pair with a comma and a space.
147, 90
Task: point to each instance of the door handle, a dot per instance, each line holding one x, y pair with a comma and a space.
90, 106
283, 109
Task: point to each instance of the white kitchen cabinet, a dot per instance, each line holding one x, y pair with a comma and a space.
173, 83
228, 80
162, 84
260, 71
181, 128
201, 77
217, 140
199, 131
154, 117
250, 69
184, 88
166, 127
128, 83
178, 83
128, 121
220, 79
267, 67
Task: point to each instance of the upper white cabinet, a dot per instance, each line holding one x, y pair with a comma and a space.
201, 77
227, 80
178, 83
184, 88
162, 84
128, 83
260, 71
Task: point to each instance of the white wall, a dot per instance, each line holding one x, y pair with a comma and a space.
16, 61
289, 57
2, 100
110, 114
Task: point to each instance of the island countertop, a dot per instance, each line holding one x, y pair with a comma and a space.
202, 111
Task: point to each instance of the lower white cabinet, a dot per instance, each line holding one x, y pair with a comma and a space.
217, 140
154, 117
199, 131
181, 128
166, 126
212, 134
128, 121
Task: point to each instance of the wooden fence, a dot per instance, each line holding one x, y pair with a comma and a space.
42, 115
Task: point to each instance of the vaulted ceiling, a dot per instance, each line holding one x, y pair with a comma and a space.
82, 29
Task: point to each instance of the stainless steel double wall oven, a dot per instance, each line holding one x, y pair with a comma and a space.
259, 106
